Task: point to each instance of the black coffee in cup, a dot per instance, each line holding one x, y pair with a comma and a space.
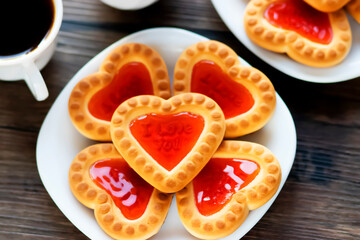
23, 25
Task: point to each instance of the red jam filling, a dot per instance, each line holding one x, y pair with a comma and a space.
167, 138
130, 193
131, 80
298, 16
209, 79
219, 180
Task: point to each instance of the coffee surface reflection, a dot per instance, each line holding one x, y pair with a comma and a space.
23, 25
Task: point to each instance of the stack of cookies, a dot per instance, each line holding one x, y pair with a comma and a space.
157, 145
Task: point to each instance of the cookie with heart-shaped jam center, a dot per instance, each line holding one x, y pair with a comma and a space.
168, 142
166, 137
247, 176
125, 205
129, 70
293, 27
299, 17
327, 5
354, 9
245, 95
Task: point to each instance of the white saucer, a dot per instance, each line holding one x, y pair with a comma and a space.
59, 142
232, 13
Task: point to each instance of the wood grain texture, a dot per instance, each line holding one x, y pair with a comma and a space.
321, 198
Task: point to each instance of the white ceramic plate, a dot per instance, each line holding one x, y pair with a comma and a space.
232, 13
59, 142
129, 4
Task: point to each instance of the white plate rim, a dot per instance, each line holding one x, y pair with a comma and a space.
65, 92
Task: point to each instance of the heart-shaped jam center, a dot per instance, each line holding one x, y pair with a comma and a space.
298, 16
131, 80
130, 193
209, 79
219, 180
167, 138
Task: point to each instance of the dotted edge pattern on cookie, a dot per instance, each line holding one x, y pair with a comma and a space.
137, 52
98, 129
327, 5
83, 121
195, 160
254, 195
254, 80
108, 216
353, 8
297, 47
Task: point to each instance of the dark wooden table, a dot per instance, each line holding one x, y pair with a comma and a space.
321, 198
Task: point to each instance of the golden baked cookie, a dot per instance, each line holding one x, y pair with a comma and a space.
247, 176
293, 27
125, 206
327, 5
129, 70
168, 142
245, 95
354, 9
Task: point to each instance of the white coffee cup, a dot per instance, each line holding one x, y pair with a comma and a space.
129, 4
27, 66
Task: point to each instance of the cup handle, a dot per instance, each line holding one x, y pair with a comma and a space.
35, 81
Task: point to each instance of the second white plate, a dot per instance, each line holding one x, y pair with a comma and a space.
232, 13
59, 142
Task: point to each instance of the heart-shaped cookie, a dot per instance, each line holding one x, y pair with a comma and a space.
247, 176
327, 5
293, 27
245, 95
354, 9
167, 142
125, 206
129, 70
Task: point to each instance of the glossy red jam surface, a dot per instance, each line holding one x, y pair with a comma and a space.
130, 193
167, 138
131, 80
219, 180
209, 79
298, 16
